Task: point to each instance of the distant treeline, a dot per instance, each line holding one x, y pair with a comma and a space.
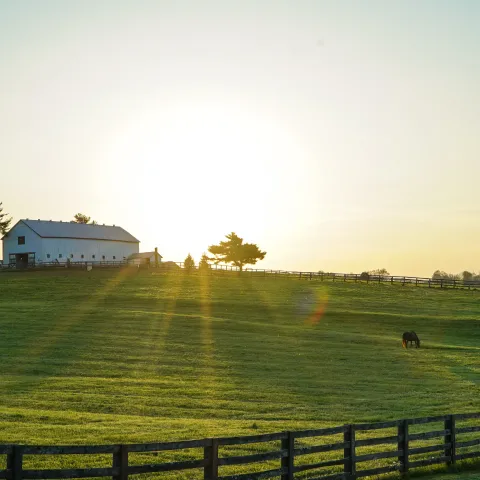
466, 276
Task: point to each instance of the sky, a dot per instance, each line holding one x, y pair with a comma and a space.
337, 135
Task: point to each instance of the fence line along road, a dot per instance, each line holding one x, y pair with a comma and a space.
178, 267
285, 461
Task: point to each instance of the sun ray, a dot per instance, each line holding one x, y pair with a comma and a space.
173, 286
209, 377
66, 323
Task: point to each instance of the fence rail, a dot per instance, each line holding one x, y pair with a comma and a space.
288, 453
178, 267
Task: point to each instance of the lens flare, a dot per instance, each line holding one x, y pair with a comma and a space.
318, 308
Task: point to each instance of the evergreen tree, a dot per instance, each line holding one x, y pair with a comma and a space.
189, 263
203, 264
4, 221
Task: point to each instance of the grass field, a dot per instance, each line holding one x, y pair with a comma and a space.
110, 357
455, 476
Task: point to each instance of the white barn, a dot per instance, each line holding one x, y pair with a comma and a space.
32, 242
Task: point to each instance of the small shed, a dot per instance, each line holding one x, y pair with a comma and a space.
145, 258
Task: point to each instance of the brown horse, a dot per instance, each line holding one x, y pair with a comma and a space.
410, 337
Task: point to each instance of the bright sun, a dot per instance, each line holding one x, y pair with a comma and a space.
205, 170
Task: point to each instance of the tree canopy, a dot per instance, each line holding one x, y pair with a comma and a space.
4, 221
379, 271
82, 218
441, 275
234, 251
467, 276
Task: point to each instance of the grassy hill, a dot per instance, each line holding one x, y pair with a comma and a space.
207, 355
106, 357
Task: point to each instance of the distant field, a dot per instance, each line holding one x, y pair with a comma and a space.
110, 357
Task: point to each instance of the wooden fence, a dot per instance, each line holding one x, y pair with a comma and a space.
357, 277
62, 265
285, 461
177, 267
337, 277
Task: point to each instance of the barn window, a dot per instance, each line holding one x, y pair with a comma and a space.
60, 255
48, 255
114, 257
93, 256
21, 240
103, 257
82, 256
71, 255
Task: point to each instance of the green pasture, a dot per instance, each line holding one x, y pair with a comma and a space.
128, 357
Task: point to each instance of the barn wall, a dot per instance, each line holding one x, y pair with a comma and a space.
33, 243
143, 261
78, 247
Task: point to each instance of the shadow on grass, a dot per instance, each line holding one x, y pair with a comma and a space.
462, 470
449, 348
58, 336
345, 368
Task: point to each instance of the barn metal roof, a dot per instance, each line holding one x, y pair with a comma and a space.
50, 229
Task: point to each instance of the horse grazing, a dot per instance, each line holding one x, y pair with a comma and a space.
410, 337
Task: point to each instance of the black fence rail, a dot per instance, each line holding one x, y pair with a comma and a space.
339, 458
330, 276
178, 267
69, 264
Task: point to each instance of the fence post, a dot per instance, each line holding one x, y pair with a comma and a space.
349, 467
210, 454
120, 461
451, 439
14, 462
403, 445
287, 462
